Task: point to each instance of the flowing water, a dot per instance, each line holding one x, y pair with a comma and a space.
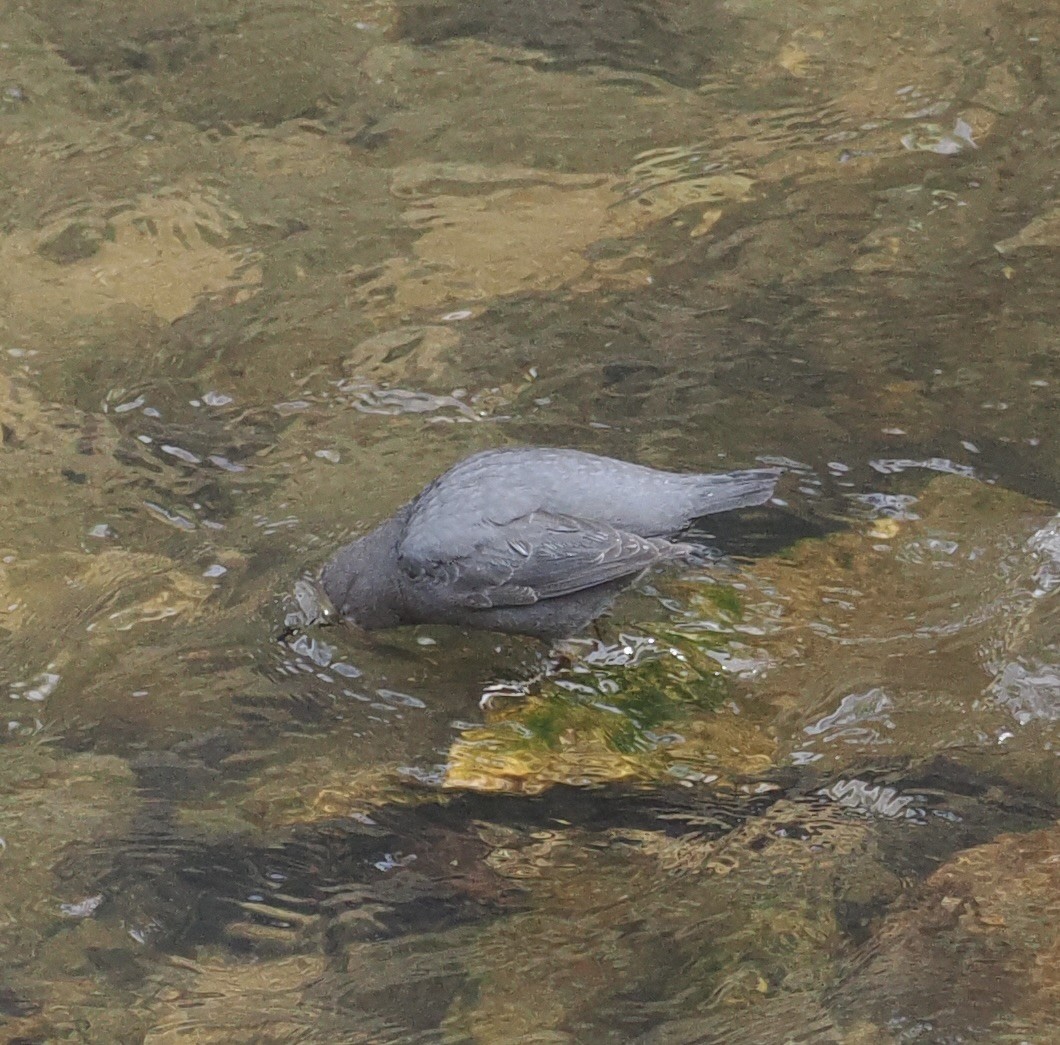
266, 268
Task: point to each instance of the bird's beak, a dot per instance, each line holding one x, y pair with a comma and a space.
317, 608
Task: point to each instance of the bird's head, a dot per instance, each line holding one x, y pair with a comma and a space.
359, 584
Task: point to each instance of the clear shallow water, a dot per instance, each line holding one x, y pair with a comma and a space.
267, 269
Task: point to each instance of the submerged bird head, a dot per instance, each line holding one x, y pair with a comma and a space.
315, 608
338, 581
314, 603
361, 586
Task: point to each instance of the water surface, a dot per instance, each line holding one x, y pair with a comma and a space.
265, 269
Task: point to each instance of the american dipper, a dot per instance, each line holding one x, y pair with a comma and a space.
529, 540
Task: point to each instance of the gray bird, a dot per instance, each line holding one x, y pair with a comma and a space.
529, 540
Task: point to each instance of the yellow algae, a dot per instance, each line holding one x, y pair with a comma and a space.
322, 787
404, 353
112, 590
488, 232
237, 1002
794, 59
160, 253
300, 150
1042, 231
884, 529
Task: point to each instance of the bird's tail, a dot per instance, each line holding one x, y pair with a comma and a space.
731, 490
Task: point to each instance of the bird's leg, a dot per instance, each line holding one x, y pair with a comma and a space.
564, 654
560, 656
502, 689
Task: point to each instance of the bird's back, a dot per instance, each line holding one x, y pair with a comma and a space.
495, 487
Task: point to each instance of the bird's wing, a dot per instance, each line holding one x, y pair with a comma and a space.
538, 556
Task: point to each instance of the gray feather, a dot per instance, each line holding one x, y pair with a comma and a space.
542, 556
532, 540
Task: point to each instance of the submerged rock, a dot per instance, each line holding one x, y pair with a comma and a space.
593, 724
975, 955
909, 634
916, 634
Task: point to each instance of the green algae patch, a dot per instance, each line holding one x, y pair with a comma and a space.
661, 717
325, 787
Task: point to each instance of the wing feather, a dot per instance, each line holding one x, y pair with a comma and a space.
541, 556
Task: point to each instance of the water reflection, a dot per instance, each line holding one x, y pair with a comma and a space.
267, 271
